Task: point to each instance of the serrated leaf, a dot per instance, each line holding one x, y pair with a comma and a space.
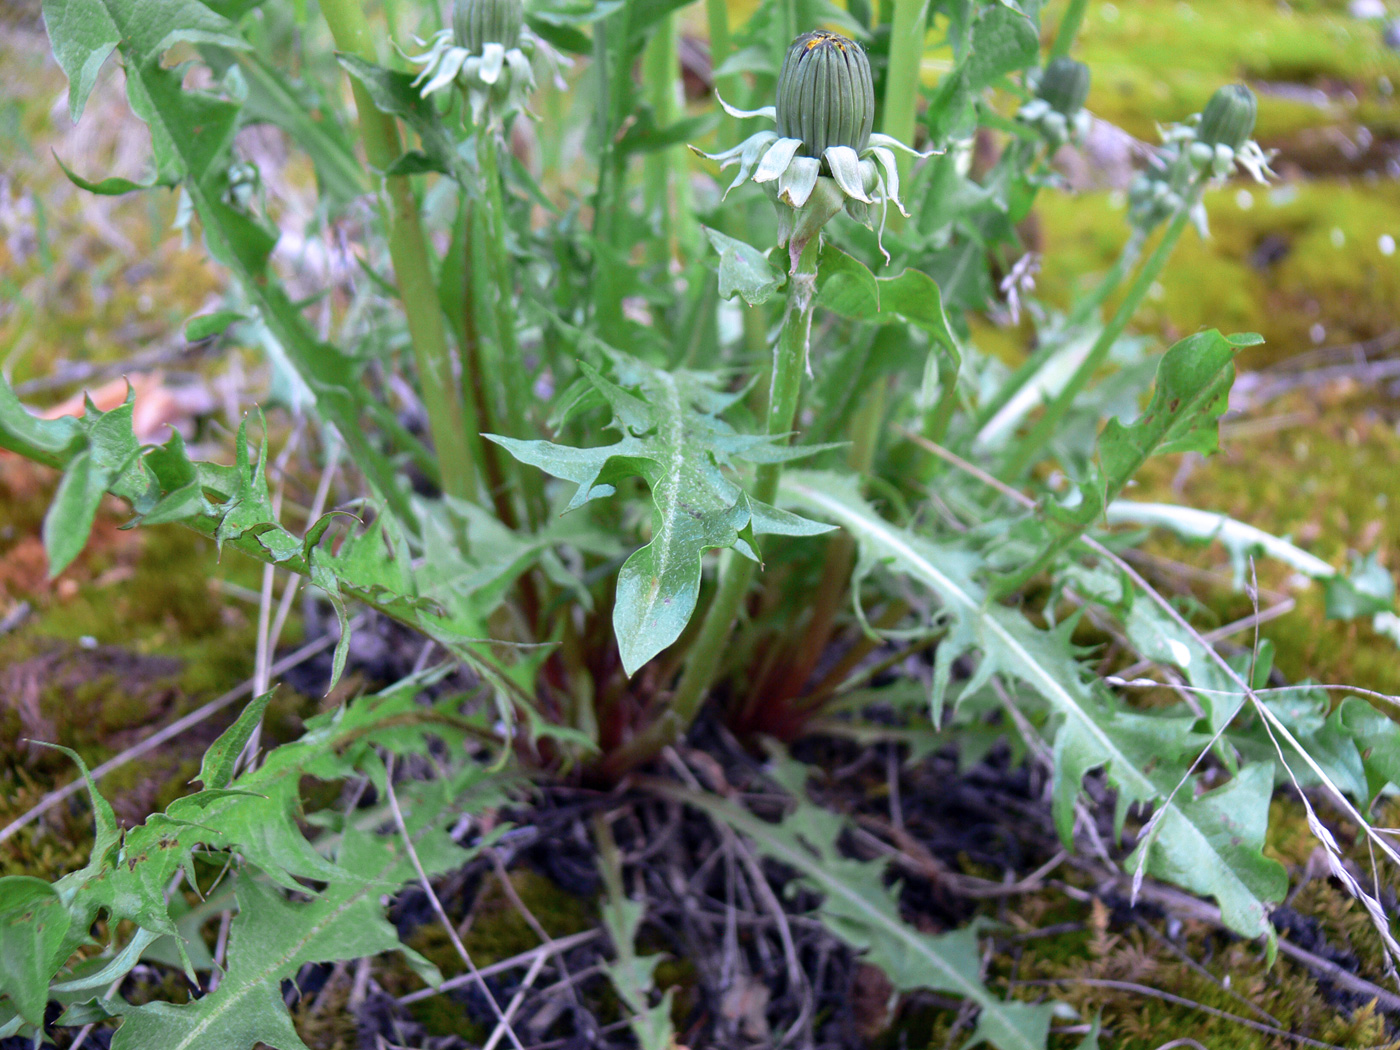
846, 286
257, 818
72, 512
109, 187
111, 449
393, 92
1378, 738
272, 938
858, 909
1003, 41
191, 134
1211, 845
633, 975
269, 941
84, 32
1143, 755
1189, 396
1364, 591
203, 326
672, 438
33, 926
744, 270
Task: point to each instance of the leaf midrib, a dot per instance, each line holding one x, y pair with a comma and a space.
1124, 769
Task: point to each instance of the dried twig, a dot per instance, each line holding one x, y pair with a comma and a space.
437, 905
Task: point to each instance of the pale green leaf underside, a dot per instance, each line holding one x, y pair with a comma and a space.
672, 438
1090, 735
84, 32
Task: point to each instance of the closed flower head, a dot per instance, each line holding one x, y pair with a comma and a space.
1228, 119
822, 157
1065, 86
825, 94
486, 55
476, 23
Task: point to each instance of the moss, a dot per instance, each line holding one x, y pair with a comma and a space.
1293, 261
500, 931
1117, 951
1299, 483
325, 1020
1288, 839
1157, 61
497, 931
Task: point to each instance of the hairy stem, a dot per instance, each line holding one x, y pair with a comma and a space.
1034, 443
736, 572
408, 250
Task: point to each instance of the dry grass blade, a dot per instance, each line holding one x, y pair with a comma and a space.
437, 906
515, 962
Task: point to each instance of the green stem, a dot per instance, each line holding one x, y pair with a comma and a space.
408, 250
736, 572
1035, 442
1070, 22
612, 57
841, 549
902, 83
512, 367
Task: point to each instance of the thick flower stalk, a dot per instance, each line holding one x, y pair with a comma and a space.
822, 157
486, 53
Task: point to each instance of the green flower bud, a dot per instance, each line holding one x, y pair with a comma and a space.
476, 23
825, 94
1228, 119
1065, 86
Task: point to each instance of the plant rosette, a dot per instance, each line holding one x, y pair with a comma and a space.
822, 157
486, 53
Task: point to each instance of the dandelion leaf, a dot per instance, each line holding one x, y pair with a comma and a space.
674, 439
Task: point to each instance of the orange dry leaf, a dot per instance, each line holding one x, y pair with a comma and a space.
157, 407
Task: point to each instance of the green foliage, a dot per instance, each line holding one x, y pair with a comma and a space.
253, 817
674, 439
633, 975
508, 284
1145, 756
